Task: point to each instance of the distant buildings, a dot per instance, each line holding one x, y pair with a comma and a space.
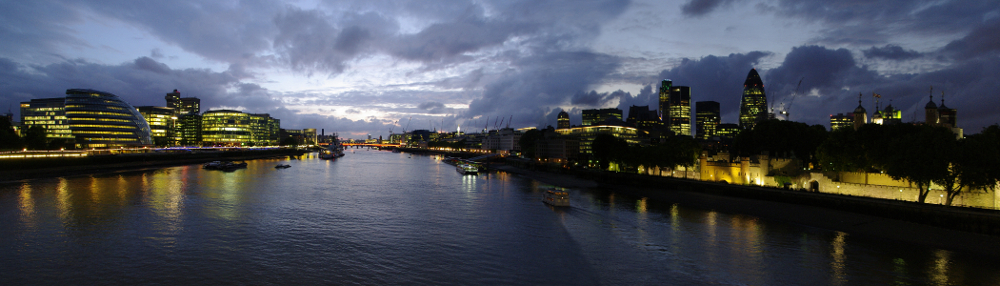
236, 129
596, 116
841, 120
90, 118
562, 121
643, 118
707, 119
675, 107
753, 106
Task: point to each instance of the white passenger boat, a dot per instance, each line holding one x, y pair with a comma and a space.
556, 197
467, 169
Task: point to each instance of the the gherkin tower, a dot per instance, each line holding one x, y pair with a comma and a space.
753, 106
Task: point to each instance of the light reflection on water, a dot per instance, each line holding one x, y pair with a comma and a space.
384, 218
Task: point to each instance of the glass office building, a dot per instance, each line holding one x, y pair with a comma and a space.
99, 119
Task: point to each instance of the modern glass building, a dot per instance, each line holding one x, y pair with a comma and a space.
49, 113
596, 116
728, 130
162, 122
665, 87
587, 134
99, 119
679, 113
707, 118
643, 118
189, 130
234, 128
753, 106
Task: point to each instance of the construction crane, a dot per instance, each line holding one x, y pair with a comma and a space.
407, 124
791, 100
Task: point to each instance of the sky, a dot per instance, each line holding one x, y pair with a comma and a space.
372, 67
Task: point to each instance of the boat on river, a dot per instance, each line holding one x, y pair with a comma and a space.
466, 169
280, 166
554, 197
224, 165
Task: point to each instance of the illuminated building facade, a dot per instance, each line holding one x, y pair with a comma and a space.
562, 121
102, 120
235, 128
680, 110
643, 118
728, 130
860, 115
586, 134
665, 88
50, 113
891, 115
841, 120
596, 116
753, 105
190, 105
189, 130
707, 118
162, 123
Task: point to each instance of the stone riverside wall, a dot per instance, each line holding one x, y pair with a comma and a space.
975, 220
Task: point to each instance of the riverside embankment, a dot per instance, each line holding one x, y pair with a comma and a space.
20, 169
955, 228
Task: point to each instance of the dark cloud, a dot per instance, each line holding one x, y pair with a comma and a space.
430, 105
984, 40
646, 97
869, 23
697, 8
156, 53
891, 52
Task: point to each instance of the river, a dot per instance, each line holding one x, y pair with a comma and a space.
381, 218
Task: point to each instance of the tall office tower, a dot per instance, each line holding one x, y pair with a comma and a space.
753, 106
596, 116
707, 118
190, 105
679, 113
174, 100
665, 87
562, 121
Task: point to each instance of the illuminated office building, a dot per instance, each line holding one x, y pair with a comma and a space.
753, 105
102, 120
596, 116
679, 114
707, 118
49, 113
586, 134
728, 130
562, 121
841, 120
162, 122
665, 87
643, 118
189, 130
235, 128
190, 105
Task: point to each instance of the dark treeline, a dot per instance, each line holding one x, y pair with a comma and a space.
920, 154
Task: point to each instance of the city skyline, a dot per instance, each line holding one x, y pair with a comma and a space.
359, 68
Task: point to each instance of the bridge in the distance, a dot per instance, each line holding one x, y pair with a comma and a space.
372, 145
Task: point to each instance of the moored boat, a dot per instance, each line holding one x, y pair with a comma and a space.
554, 197
467, 169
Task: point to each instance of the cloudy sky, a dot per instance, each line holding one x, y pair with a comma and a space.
365, 67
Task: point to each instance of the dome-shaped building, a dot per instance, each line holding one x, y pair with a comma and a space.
99, 119
562, 121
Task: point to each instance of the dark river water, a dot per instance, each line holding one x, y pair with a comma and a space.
381, 218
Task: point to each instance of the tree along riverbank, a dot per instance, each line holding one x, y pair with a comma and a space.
953, 228
20, 169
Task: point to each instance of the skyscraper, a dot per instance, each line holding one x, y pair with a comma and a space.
665, 87
643, 118
707, 118
679, 113
174, 101
753, 106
